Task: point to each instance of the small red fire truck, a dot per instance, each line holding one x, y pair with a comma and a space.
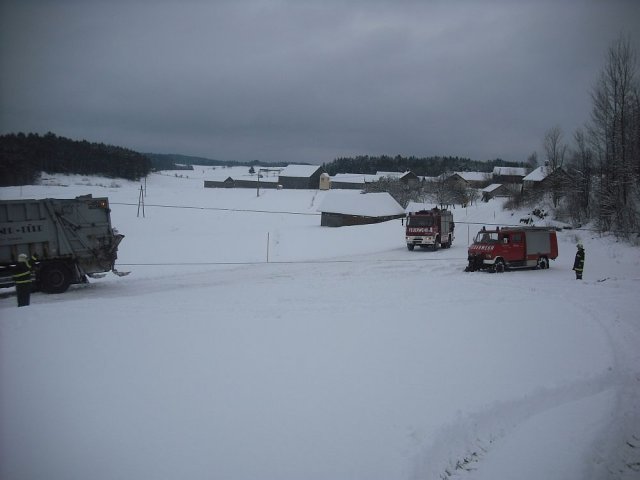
430, 228
506, 248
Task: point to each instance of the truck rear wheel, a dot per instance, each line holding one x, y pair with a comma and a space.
543, 263
54, 278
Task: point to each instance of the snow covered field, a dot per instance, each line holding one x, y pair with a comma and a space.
345, 356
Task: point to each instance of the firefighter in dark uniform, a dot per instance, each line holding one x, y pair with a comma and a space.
22, 279
578, 264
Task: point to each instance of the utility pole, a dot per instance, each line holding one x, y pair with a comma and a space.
141, 201
266, 170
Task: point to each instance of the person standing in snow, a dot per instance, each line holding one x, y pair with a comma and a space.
22, 279
578, 264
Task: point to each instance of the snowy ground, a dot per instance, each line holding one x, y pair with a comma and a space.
345, 356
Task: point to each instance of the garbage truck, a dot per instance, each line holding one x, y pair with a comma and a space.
69, 239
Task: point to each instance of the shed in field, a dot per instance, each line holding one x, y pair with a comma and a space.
343, 208
495, 190
220, 183
301, 177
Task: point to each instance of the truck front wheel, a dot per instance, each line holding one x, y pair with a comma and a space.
54, 278
499, 265
410, 246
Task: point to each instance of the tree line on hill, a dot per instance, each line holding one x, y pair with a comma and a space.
603, 159
23, 157
421, 166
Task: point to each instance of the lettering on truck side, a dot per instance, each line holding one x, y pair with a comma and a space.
15, 230
22, 232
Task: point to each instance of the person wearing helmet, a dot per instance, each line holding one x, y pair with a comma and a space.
22, 279
578, 264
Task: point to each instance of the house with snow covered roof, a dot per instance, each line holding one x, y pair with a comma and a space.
357, 181
476, 179
407, 177
343, 208
351, 181
538, 175
389, 174
542, 178
508, 174
469, 179
301, 177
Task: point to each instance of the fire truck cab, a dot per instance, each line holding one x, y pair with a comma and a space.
508, 248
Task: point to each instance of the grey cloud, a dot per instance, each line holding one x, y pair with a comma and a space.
306, 81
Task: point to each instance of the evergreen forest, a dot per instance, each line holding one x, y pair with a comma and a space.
23, 157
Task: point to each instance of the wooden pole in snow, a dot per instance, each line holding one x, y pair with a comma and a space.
141, 202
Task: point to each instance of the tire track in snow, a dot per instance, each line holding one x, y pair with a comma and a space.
459, 447
618, 449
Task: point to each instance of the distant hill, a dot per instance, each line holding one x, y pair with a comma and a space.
174, 161
23, 157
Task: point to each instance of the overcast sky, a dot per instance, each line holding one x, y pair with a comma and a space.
306, 81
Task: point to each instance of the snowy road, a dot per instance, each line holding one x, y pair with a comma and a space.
381, 368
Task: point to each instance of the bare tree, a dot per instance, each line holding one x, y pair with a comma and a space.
581, 178
615, 138
555, 151
403, 193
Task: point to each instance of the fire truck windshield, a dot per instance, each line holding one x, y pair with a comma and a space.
420, 221
486, 237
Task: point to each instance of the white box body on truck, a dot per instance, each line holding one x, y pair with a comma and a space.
71, 239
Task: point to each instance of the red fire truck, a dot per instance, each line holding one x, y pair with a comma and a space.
506, 248
430, 228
